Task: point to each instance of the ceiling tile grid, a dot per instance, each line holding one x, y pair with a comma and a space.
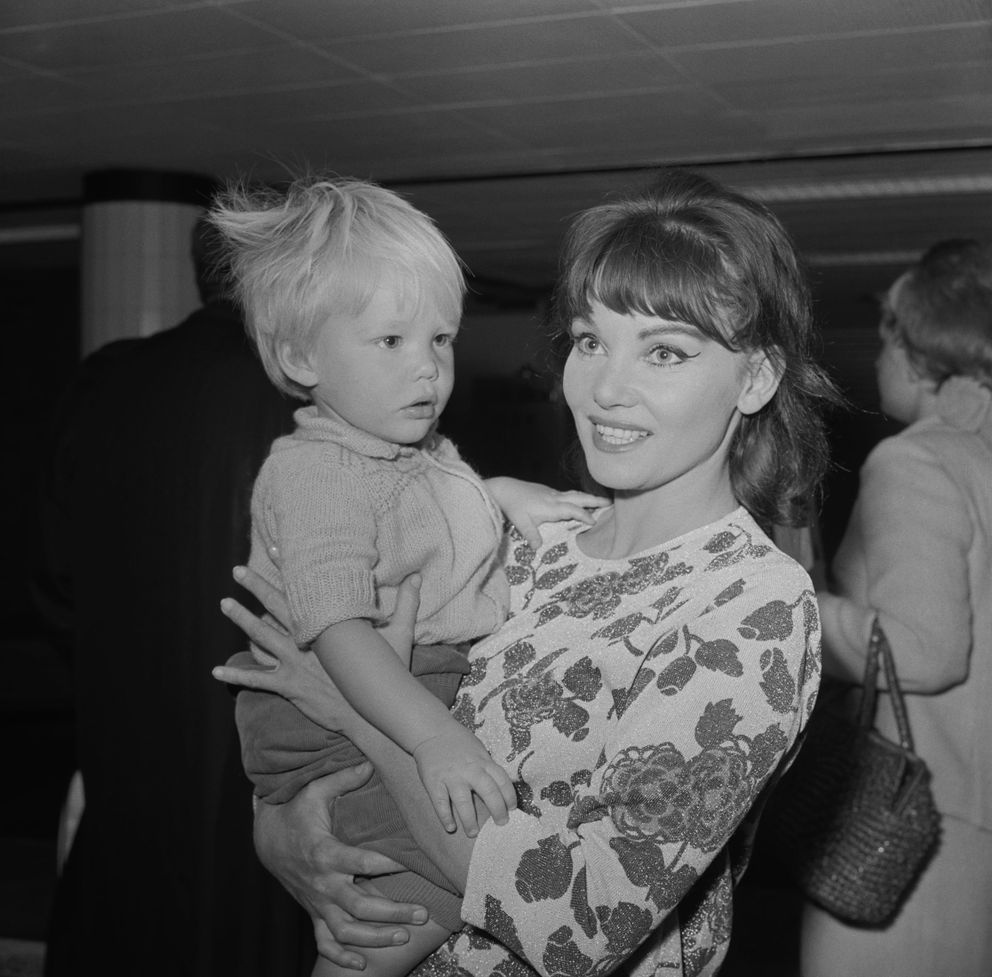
505, 115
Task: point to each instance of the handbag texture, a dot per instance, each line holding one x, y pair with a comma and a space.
853, 819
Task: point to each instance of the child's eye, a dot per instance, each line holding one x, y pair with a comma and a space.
586, 344
444, 339
390, 342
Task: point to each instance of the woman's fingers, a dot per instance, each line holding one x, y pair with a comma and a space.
399, 631
261, 679
373, 920
407, 602
259, 632
329, 948
271, 598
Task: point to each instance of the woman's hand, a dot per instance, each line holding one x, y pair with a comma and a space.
298, 675
295, 675
294, 842
528, 504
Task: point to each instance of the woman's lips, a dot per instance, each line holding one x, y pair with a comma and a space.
614, 437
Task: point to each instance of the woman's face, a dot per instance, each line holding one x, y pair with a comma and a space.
656, 402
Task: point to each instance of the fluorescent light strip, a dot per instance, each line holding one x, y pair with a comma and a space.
43, 232
858, 189
847, 259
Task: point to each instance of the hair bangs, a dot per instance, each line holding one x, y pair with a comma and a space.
657, 269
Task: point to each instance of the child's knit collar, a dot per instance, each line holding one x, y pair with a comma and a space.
319, 427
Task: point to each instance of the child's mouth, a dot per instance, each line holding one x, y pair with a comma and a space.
420, 409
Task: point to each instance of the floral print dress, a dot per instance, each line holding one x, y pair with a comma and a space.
641, 705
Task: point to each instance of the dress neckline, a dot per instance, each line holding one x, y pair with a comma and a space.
675, 542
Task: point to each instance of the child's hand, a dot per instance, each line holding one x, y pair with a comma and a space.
528, 504
453, 766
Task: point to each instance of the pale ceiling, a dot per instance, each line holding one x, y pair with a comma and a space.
866, 123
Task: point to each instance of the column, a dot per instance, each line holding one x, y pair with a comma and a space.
137, 273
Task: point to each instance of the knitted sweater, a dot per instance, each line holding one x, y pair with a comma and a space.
641, 705
353, 515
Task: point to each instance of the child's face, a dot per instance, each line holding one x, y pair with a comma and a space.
388, 371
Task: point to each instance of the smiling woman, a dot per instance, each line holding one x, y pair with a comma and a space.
656, 404
657, 666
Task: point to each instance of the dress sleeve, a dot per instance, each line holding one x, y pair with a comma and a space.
717, 704
322, 519
913, 526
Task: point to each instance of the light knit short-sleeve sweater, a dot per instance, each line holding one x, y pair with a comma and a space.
352, 516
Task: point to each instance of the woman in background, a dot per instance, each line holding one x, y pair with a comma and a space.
918, 553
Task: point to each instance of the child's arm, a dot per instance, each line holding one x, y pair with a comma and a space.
452, 763
528, 504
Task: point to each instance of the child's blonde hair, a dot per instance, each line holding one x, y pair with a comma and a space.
322, 247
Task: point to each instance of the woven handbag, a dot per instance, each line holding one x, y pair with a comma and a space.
853, 820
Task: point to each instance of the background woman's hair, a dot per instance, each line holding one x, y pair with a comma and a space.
943, 313
687, 249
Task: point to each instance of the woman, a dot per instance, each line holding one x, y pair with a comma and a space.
918, 553
658, 666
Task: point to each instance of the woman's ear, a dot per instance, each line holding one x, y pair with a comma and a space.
296, 365
763, 374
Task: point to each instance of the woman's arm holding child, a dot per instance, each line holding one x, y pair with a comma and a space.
301, 679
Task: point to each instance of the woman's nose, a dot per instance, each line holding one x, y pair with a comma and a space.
611, 388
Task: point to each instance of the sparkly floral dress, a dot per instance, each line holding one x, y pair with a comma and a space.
641, 705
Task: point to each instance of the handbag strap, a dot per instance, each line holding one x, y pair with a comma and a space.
879, 651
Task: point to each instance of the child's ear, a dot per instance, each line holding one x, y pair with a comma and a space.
763, 373
296, 365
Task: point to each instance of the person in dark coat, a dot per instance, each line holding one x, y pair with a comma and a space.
157, 445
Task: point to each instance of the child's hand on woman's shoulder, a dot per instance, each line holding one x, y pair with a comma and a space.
528, 504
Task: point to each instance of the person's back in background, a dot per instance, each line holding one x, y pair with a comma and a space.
157, 447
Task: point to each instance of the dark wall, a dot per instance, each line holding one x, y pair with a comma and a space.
40, 302
41, 336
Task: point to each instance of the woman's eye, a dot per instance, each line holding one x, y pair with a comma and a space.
665, 356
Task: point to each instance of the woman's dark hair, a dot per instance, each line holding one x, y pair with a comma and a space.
687, 249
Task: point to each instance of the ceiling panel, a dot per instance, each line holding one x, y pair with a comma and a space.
759, 21
501, 117
487, 45
866, 56
127, 40
596, 75
20, 14
340, 19
852, 89
210, 75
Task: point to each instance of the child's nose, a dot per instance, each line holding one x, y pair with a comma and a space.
427, 365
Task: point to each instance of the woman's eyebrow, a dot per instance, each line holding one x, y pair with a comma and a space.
671, 328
